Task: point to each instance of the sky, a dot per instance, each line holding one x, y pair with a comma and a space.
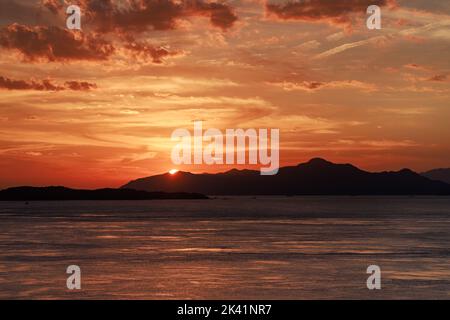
96, 108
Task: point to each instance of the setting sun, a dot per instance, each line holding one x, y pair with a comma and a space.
173, 171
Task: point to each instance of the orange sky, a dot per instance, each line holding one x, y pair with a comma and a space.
96, 108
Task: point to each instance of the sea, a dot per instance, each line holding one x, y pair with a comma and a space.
225, 248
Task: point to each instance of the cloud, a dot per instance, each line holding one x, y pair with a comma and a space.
43, 44
305, 85
53, 5
33, 153
376, 144
383, 38
439, 78
144, 15
351, 45
221, 15
432, 74
328, 11
53, 43
44, 85
312, 86
309, 45
415, 66
80, 86
22, 11
107, 26
147, 51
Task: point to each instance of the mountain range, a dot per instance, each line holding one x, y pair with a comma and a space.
315, 177
438, 174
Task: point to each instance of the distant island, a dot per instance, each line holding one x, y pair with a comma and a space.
315, 177
63, 194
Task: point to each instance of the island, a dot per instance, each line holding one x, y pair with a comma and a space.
65, 194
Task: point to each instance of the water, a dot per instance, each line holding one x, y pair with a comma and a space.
227, 248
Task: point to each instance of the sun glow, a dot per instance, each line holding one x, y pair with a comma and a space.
173, 171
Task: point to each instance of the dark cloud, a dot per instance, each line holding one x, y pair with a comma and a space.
80, 86
144, 51
44, 85
330, 11
53, 43
143, 15
56, 44
220, 14
103, 21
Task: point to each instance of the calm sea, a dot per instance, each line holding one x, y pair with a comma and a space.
227, 248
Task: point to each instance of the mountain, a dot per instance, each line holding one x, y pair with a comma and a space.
62, 193
438, 174
316, 177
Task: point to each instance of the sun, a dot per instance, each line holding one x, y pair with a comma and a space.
173, 171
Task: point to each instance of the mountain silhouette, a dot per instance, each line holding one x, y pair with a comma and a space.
315, 177
438, 174
62, 193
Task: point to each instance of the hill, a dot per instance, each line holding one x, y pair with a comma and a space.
438, 174
315, 177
